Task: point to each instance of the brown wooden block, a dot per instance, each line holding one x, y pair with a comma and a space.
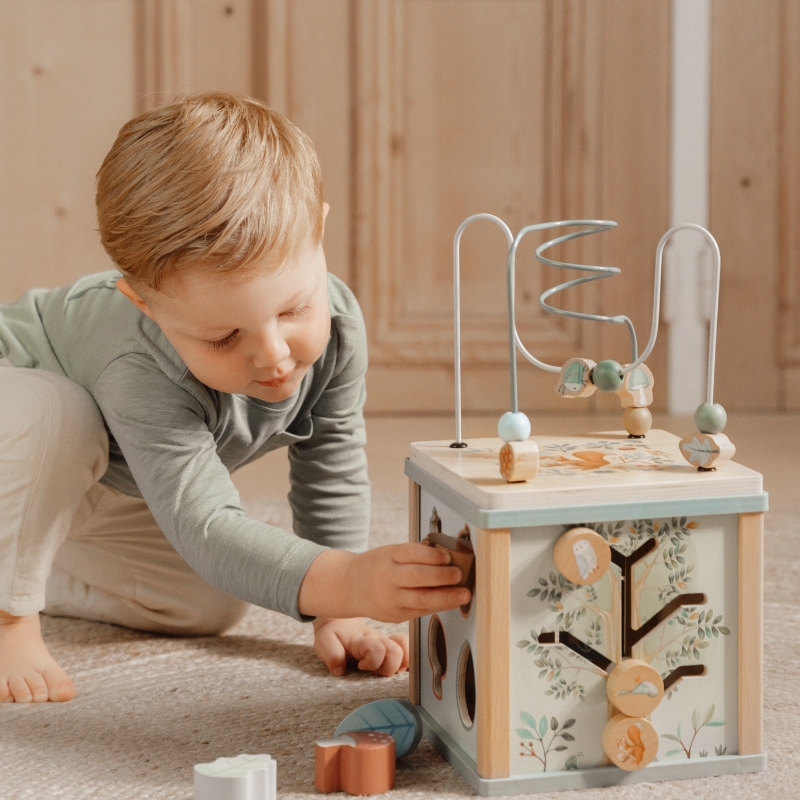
461, 554
360, 763
519, 461
582, 556
707, 450
629, 742
635, 688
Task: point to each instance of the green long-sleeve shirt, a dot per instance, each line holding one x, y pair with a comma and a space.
175, 441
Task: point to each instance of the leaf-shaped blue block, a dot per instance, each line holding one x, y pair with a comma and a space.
396, 717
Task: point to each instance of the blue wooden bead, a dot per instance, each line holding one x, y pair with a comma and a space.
710, 418
514, 427
607, 376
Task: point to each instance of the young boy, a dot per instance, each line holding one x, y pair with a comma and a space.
128, 398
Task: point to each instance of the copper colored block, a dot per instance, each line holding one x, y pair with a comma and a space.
360, 763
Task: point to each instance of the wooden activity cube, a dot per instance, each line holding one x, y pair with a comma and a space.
513, 689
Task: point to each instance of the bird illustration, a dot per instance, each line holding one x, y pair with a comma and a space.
645, 687
585, 557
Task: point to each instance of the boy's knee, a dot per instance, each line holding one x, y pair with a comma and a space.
36, 404
212, 615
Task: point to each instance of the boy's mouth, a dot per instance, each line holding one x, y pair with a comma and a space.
276, 382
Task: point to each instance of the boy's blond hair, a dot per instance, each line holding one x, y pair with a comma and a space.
215, 180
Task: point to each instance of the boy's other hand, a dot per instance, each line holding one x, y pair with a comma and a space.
393, 583
337, 641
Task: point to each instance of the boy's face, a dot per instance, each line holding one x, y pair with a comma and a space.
257, 334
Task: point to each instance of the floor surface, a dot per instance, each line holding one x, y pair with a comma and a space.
150, 707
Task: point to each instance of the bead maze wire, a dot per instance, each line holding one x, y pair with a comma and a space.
587, 227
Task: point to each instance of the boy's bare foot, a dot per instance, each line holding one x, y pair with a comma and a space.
28, 673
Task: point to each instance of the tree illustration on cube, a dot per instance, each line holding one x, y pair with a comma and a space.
600, 624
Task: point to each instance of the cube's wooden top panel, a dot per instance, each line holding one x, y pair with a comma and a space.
582, 470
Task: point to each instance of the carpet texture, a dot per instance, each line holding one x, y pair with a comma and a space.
150, 707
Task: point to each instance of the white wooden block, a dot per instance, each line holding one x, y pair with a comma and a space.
707, 450
245, 777
574, 379
637, 388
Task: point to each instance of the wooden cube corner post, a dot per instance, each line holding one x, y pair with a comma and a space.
615, 629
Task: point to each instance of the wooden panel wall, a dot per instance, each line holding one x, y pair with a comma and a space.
67, 78
528, 110
755, 201
422, 111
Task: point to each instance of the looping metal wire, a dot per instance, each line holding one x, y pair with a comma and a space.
588, 227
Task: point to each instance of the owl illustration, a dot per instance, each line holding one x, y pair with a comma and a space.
585, 558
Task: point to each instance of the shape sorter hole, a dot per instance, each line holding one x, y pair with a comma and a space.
465, 686
437, 654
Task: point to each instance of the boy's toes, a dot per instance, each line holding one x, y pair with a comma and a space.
5, 692
19, 689
59, 687
38, 686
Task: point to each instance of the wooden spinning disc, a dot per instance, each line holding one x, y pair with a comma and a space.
582, 556
635, 688
630, 742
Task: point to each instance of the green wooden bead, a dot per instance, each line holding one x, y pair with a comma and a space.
607, 376
710, 418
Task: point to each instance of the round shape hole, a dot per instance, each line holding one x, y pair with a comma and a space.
465, 686
437, 654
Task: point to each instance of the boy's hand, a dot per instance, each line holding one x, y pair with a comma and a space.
393, 583
338, 640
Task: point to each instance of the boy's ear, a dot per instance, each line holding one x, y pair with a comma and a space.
127, 290
325, 209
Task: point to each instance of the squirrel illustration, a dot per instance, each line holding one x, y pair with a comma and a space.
633, 750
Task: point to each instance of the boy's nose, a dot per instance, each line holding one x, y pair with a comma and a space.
270, 349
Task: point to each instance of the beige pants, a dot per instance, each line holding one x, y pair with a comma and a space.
72, 547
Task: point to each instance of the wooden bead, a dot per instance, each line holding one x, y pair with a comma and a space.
519, 461
637, 388
629, 742
706, 450
574, 380
607, 376
635, 688
637, 421
582, 556
710, 418
514, 426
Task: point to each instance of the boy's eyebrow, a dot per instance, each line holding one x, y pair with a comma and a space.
220, 329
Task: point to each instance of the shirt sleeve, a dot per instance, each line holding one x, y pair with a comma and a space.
330, 493
163, 433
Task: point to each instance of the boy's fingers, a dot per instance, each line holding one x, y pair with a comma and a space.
370, 652
401, 639
381, 655
411, 553
419, 602
331, 652
414, 576
392, 660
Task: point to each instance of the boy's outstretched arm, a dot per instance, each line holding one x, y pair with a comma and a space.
393, 583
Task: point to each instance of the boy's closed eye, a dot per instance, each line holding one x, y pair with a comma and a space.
226, 341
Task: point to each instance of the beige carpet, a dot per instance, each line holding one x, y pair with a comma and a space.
150, 707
